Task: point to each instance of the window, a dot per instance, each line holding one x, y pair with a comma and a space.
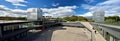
9, 27
12, 27
20, 26
4, 28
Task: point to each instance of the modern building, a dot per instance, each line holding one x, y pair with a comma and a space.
12, 30
98, 16
16, 29
34, 14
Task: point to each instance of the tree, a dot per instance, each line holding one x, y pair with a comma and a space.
112, 18
66, 18
75, 18
12, 18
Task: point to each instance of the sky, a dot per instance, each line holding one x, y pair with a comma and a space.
61, 8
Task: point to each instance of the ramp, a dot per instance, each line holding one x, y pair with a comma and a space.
87, 25
94, 37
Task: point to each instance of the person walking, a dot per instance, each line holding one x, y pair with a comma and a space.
94, 30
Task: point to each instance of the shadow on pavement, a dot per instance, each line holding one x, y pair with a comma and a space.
44, 35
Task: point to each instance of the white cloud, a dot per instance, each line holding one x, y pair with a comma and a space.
2, 7
111, 7
5, 11
19, 10
60, 11
86, 14
55, 4
19, 13
86, 6
10, 14
55, 12
17, 2
110, 2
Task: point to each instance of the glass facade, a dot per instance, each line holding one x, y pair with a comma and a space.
34, 14
98, 16
11, 27
20, 28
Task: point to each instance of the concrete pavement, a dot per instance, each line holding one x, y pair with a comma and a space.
70, 34
61, 33
64, 33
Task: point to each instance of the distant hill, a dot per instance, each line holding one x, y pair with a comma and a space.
12, 18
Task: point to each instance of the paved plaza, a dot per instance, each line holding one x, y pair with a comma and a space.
61, 33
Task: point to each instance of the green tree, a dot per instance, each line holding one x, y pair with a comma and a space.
112, 18
75, 18
66, 18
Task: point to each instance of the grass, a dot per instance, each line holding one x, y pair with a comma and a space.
115, 24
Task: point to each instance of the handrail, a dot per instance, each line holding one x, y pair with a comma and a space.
113, 30
89, 27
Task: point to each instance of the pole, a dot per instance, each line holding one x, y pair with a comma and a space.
92, 36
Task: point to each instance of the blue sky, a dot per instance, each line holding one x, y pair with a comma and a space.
61, 8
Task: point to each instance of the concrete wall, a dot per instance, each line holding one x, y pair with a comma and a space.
72, 24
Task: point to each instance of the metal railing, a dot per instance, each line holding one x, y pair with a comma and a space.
108, 31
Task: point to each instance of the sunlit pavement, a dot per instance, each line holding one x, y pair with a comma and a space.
70, 34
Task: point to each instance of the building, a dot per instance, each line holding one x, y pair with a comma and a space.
12, 30
98, 16
34, 14
16, 29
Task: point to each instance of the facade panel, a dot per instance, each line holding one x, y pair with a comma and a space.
98, 16
34, 14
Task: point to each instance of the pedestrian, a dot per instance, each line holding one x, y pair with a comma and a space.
94, 30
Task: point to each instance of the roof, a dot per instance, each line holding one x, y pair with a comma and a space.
4, 21
12, 22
